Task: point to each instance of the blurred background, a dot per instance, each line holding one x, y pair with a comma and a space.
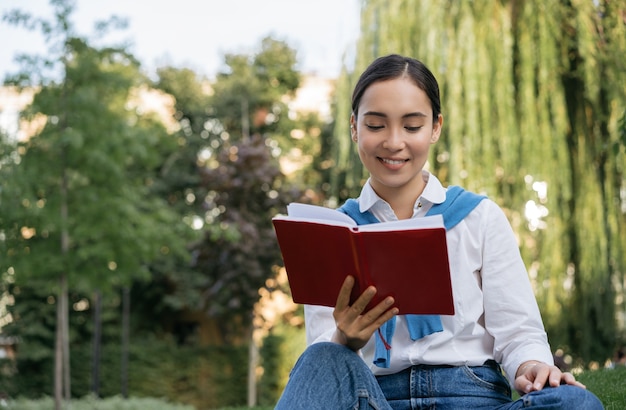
145, 147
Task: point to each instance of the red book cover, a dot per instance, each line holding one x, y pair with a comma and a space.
406, 259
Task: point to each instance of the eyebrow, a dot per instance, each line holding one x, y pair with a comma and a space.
383, 115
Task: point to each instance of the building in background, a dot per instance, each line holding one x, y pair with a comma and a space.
12, 102
314, 96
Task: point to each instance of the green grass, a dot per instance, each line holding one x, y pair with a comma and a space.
609, 385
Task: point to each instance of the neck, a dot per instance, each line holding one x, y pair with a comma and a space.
401, 199
403, 208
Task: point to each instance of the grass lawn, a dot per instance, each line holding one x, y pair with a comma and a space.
609, 385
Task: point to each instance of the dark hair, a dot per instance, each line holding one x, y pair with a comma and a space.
394, 66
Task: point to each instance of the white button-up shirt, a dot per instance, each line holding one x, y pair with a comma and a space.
496, 313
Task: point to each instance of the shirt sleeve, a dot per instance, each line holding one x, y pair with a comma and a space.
320, 324
512, 315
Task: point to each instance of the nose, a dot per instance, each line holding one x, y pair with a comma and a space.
395, 140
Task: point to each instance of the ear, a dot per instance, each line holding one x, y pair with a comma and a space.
437, 125
353, 133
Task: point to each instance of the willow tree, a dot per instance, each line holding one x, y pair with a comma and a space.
533, 100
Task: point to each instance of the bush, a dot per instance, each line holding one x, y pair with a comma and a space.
205, 377
92, 403
279, 353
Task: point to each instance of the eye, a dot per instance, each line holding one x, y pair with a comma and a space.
374, 127
413, 129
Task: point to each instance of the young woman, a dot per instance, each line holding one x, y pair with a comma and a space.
382, 359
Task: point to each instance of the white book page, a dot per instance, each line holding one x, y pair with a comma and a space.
314, 213
326, 222
426, 222
307, 211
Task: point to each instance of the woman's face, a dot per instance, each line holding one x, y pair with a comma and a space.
394, 130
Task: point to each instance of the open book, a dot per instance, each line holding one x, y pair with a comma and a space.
406, 259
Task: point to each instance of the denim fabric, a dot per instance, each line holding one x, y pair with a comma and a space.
474, 387
447, 387
331, 376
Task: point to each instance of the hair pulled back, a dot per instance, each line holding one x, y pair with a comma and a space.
394, 66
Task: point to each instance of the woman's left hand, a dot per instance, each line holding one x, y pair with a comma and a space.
534, 375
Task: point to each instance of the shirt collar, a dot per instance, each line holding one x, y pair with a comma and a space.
434, 193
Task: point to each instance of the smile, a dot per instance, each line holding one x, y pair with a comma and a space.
393, 161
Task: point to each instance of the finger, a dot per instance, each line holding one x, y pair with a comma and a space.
523, 384
380, 313
360, 304
568, 378
343, 299
378, 322
555, 377
541, 376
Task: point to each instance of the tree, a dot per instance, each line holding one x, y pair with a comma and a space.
232, 130
531, 95
79, 209
230, 184
249, 95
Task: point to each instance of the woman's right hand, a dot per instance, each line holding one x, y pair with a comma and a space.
355, 328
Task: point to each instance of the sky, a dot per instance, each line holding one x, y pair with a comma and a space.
197, 33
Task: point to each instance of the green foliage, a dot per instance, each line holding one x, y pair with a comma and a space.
94, 403
34, 326
178, 180
34, 323
205, 377
279, 353
78, 200
224, 180
133, 192
532, 95
239, 249
95, 158
248, 95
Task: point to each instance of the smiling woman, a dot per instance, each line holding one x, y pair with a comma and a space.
378, 358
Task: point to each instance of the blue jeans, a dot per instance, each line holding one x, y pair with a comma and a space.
331, 376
